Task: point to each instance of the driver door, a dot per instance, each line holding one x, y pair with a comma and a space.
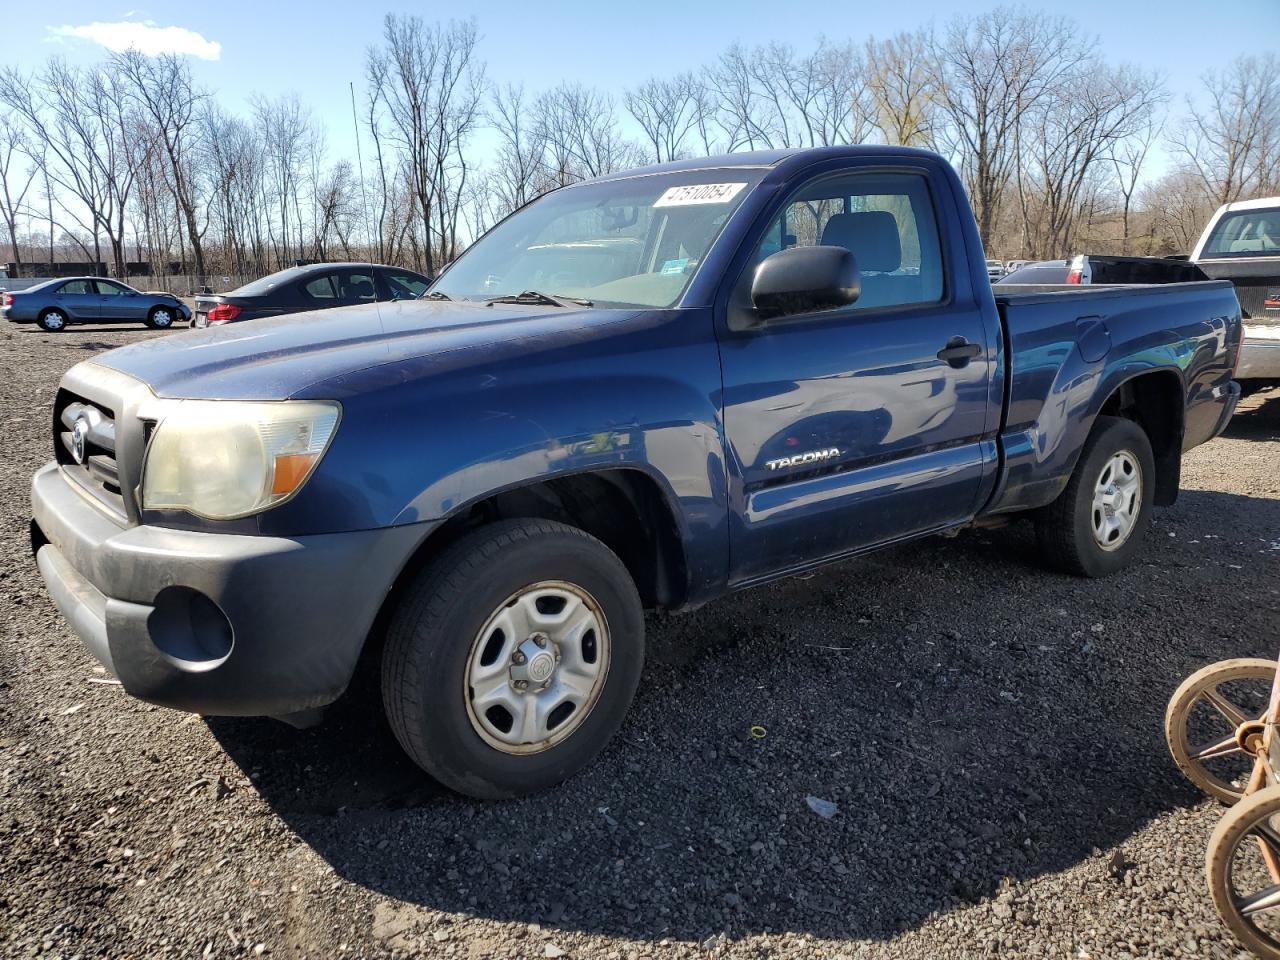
845, 427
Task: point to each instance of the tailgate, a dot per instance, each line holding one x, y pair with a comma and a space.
1257, 283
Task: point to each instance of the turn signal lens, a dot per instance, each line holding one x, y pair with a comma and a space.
291, 470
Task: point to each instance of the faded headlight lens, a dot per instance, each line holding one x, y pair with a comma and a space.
224, 459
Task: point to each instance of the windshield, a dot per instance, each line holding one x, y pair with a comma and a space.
619, 243
1249, 233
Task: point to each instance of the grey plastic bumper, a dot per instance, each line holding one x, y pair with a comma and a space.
215, 623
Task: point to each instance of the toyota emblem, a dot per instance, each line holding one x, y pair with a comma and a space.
79, 432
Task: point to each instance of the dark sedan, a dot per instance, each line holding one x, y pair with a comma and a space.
56, 303
1042, 271
315, 287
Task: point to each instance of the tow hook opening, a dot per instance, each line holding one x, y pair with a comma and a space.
190, 630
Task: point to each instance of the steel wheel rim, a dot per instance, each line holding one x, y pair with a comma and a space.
537, 667
162, 318
54, 320
1117, 501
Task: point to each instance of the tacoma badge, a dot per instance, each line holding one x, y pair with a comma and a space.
800, 459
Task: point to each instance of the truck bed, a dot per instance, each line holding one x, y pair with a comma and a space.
1068, 347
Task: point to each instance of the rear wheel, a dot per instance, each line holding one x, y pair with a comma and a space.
1096, 525
513, 658
160, 318
54, 321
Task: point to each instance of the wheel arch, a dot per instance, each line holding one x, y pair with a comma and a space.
625, 508
1153, 399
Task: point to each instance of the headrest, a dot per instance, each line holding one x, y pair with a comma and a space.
871, 236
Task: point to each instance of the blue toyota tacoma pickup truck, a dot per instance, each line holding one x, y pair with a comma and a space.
643, 391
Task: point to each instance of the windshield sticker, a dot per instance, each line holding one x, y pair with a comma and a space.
699, 193
672, 267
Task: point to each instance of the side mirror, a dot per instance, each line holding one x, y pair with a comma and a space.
805, 280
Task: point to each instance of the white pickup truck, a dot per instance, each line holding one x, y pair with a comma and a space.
1242, 244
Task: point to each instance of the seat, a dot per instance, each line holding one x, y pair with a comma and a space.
357, 289
872, 236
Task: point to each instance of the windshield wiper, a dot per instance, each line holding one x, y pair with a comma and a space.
435, 295
537, 296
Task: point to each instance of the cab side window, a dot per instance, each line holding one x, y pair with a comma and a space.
885, 220
110, 289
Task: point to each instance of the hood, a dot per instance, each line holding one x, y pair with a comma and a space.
281, 357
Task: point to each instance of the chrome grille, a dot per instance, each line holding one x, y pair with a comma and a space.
107, 405
92, 460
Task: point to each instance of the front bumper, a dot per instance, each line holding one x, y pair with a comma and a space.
214, 623
1259, 359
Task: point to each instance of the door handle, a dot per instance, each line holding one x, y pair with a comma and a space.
958, 352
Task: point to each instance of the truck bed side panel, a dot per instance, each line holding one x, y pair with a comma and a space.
1069, 352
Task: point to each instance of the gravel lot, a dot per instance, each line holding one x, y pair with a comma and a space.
990, 732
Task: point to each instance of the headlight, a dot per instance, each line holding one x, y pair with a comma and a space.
224, 459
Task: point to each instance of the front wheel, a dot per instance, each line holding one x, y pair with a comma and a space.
512, 659
160, 318
1243, 867
1096, 525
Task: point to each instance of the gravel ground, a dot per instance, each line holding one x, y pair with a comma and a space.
990, 734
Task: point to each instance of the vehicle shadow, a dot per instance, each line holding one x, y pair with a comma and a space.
974, 717
1257, 417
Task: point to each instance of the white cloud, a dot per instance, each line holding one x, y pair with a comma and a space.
144, 37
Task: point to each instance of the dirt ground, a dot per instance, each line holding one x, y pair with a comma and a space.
990, 733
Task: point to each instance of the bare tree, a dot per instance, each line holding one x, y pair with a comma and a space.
168, 100
739, 110
668, 111
1179, 208
1128, 157
1232, 145
284, 130
430, 85
989, 72
1095, 107
900, 85
519, 171
78, 117
579, 126
771, 96
15, 146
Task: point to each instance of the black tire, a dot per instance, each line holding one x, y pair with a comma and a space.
429, 645
1065, 527
54, 321
161, 318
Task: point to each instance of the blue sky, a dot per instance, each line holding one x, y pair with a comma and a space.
316, 48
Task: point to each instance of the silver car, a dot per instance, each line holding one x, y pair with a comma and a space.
56, 303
